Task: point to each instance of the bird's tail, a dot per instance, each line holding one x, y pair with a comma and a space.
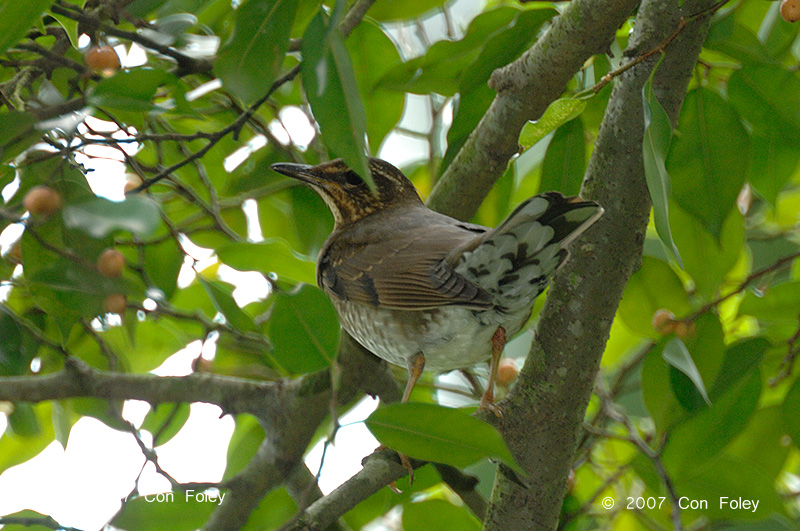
515, 260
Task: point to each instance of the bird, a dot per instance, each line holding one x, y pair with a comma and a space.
426, 291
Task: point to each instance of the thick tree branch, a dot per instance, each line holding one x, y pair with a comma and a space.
555, 385
524, 90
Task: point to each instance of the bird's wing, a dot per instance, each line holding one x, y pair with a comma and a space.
406, 271
515, 260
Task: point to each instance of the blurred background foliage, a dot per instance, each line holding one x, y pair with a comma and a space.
165, 159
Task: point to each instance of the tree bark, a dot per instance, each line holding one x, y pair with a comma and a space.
545, 410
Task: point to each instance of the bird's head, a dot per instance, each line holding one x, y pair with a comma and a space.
346, 194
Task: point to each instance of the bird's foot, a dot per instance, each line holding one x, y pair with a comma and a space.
405, 462
487, 404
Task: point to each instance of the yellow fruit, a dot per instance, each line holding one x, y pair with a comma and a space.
103, 59
115, 303
664, 321
507, 372
110, 263
42, 201
790, 10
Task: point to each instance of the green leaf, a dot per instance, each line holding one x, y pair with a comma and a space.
708, 160
165, 421
176, 511
374, 54
100, 217
777, 304
130, 90
565, 160
249, 63
438, 514
16, 133
16, 18
705, 258
225, 304
304, 330
16, 449
789, 409
732, 38
761, 94
244, 443
557, 114
774, 161
439, 434
270, 256
653, 287
701, 438
401, 9
655, 146
330, 86
47, 522
676, 354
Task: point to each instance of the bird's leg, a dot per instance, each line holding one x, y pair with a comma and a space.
498, 344
416, 364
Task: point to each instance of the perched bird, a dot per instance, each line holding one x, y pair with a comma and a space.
423, 290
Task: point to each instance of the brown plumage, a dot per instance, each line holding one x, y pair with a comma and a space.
421, 289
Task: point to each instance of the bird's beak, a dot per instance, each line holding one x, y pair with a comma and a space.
301, 172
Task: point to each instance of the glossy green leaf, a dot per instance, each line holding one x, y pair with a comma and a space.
434, 433
304, 329
330, 86
438, 514
500, 49
270, 256
761, 94
373, 54
774, 161
734, 39
677, 355
178, 511
100, 217
557, 114
16, 449
245, 441
129, 90
223, 301
273, 511
250, 62
164, 421
565, 160
705, 258
23, 422
655, 146
163, 262
17, 17
708, 159
653, 287
699, 439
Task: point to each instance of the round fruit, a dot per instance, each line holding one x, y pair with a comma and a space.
664, 321
103, 59
115, 303
684, 329
132, 181
110, 263
42, 201
790, 10
507, 372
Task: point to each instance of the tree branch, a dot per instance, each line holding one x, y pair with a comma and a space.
524, 90
555, 384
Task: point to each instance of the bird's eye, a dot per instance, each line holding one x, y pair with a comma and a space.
352, 178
